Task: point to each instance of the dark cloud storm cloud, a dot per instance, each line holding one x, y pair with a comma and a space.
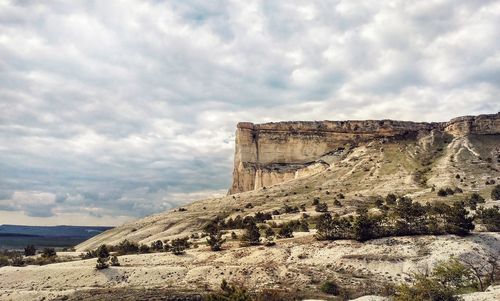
113, 110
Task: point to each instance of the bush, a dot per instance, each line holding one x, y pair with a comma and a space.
337, 203
406, 218
269, 232
114, 261
157, 246
495, 193
102, 251
442, 192
29, 250
474, 199
230, 293
17, 260
286, 231
489, 217
102, 263
390, 199
49, 253
458, 221
127, 247
330, 287
215, 240
251, 236
90, 254
321, 207
443, 284
144, 249
179, 245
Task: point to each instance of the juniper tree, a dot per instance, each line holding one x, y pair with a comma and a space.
252, 235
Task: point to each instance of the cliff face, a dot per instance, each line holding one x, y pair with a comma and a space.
270, 153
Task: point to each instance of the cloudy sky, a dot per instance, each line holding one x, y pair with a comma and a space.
113, 110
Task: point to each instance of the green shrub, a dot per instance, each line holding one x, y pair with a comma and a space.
286, 231
114, 261
102, 263
179, 245
390, 199
321, 207
29, 250
489, 217
17, 260
251, 237
157, 246
330, 287
144, 249
230, 293
495, 193
444, 283
127, 247
49, 253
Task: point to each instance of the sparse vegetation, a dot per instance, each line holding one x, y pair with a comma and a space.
125, 247
489, 218
448, 279
405, 218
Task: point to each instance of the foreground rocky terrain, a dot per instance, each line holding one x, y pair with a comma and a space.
353, 165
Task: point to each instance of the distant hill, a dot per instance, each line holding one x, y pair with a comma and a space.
18, 236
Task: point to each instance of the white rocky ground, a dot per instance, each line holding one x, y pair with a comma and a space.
301, 262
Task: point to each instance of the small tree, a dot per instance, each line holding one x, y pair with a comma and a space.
157, 246
179, 245
215, 240
144, 248
102, 263
330, 287
102, 251
321, 207
102, 257
458, 220
251, 236
473, 200
390, 199
114, 261
489, 217
29, 250
49, 253
495, 193
442, 192
286, 231
17, 260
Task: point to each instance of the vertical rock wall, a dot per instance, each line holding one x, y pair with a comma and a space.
270, 153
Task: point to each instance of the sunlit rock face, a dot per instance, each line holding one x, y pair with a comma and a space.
271, 153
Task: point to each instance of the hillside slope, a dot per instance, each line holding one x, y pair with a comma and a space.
409, 167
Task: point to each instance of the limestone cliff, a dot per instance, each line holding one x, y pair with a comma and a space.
271, 153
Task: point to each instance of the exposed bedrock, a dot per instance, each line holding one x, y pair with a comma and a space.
271, 153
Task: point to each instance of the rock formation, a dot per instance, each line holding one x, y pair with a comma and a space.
271, 153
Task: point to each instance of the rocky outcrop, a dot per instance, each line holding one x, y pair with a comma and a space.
271, 153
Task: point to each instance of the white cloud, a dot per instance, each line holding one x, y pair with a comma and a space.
129, 108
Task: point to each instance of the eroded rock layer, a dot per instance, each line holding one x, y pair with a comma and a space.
271, 153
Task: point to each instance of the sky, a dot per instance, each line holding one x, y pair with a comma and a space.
115, 110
